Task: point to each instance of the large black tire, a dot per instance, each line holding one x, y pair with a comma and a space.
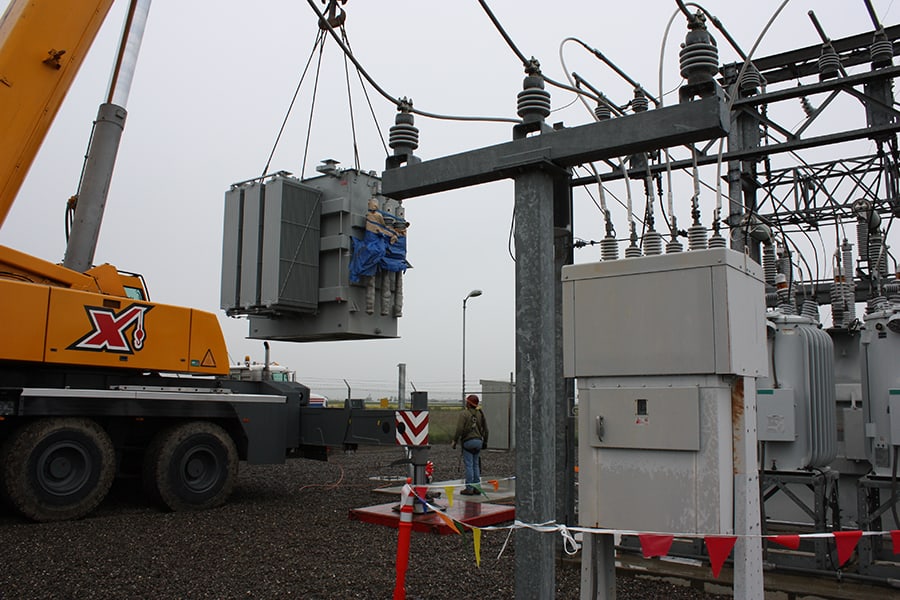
191, 466
57, 469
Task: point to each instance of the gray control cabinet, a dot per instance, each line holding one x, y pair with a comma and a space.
691, 312
286, 254
655, 343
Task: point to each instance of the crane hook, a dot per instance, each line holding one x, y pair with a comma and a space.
336, 15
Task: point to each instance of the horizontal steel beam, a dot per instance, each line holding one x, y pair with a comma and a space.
803, 62
755, 153
684, 123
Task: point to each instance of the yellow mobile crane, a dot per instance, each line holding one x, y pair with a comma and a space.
86, 359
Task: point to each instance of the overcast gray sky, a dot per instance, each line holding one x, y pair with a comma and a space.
214, 80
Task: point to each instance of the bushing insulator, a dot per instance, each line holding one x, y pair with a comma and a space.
632, 251
674, 246
717, 241
877, 254
533, 100
751, 81
404, 136
602, 112
640, 102
697, 239
810, 310
877, 304
770, 266
699, 55
829, 63
837, 303
881, 51
653, 243
609, 248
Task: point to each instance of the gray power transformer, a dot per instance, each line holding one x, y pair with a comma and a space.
880, 346
287, 247
654, 343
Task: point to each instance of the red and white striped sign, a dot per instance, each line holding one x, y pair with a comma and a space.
412, 427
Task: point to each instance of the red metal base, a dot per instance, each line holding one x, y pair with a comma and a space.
476, 514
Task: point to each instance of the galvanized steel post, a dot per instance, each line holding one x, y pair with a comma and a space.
536, 367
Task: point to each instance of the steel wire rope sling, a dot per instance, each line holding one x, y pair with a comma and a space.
398, 102
334, 19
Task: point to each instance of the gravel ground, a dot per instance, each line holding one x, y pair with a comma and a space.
285, 533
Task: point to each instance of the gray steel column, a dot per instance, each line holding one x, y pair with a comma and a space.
748, 565
536, 370
565, 388
94, 188
598, 567
742, 180
401, 386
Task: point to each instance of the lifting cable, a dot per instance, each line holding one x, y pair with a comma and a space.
350, 103
320, 37
312, 106
396, 101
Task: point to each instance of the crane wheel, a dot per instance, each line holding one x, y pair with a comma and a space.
191, 466
57, 469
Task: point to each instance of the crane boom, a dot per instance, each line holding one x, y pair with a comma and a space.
40, 54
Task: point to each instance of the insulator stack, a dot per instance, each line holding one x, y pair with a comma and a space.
783, 290
892, 290
881, 50
770, 264
808, 108
674, 246
533, 100
784, 265
632, 251
717, 241
640, 103
810, 310
838, 304
404, 136
609, 248
771, 299
849, 299
697, 237
699, 56
862, 240
602, 112
847, 260
653, 243
751, 81
877, 304
877, 254
829, 63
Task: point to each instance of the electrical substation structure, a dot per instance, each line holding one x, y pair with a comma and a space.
724, 407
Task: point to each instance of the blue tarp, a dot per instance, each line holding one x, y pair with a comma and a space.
368, 253
395, 256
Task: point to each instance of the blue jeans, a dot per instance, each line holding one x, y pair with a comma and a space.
471, 451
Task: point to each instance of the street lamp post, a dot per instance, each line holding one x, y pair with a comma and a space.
472, 294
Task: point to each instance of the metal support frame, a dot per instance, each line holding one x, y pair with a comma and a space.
539, 164
822, 484
875, 553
